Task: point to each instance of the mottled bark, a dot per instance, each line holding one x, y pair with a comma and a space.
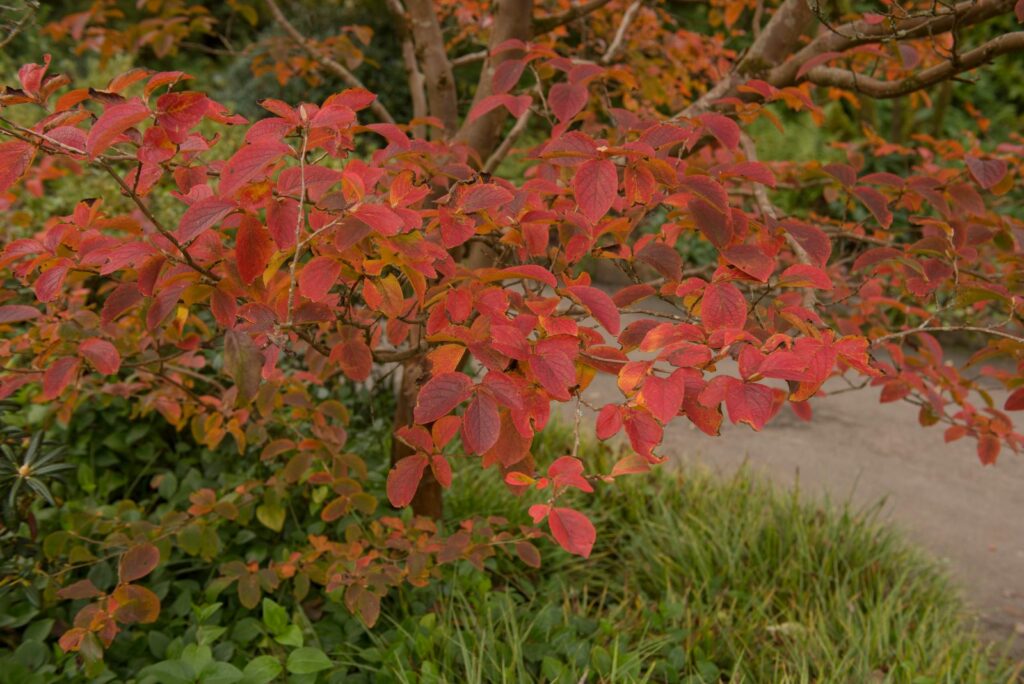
513, 19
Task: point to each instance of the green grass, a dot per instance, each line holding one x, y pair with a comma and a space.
693, 579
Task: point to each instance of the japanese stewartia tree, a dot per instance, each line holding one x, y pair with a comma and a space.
236, 272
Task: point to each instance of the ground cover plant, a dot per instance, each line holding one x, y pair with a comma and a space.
700, 581
205, 308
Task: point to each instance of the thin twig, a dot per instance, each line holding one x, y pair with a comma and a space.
298, 225
328, 62
620, 34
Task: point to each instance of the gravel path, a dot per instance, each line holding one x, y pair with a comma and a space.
969, 516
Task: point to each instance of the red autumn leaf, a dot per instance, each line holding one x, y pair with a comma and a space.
711, 221
442, 470
876, 203
643, 431
664, 258
179, 112
114, 121
595, 186
814, 241
283, 222
249, 163
723, 307
82, 589
751, 260
567, 100
355, 359
988, 172
380, 218
609, 421
555, 372
988, 449
485, 197
318, 276
567, 471
600, 306
805, 275
507, 75
754, 171
440, 395
1015, 402
58, 376
631, 464
15, 158
101, 354
723, 128
202, 215
572, 530
136, 605
663, 397
16, 313
51, 280
481, 423
516, 105
528, 553
253, 249
404, 479
138, 561
747, 402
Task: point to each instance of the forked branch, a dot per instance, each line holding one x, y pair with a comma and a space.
324, 60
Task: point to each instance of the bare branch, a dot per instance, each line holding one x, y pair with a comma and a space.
620, 33
877, 88
492, 163
855, 33
470, 58
16, 27
772, 47
949, 328
417, 82
545, 24
326, 61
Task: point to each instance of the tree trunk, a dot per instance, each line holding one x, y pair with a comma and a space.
512, 19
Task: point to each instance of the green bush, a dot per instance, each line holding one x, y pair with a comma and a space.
692, 580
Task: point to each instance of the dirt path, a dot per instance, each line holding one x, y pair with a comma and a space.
856, 449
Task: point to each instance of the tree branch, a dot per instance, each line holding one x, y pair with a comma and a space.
430, 52
856, 33
417, 82
620, 33
512, 20
545, 24
470, 58
873, 87
492, 163
949, 328
325, 60
772, 47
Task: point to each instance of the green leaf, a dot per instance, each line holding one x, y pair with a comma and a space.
307, 660
261, 670
275, 617
208, 634
197, 657
38, 631
220, 673
291, 636
169, 672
